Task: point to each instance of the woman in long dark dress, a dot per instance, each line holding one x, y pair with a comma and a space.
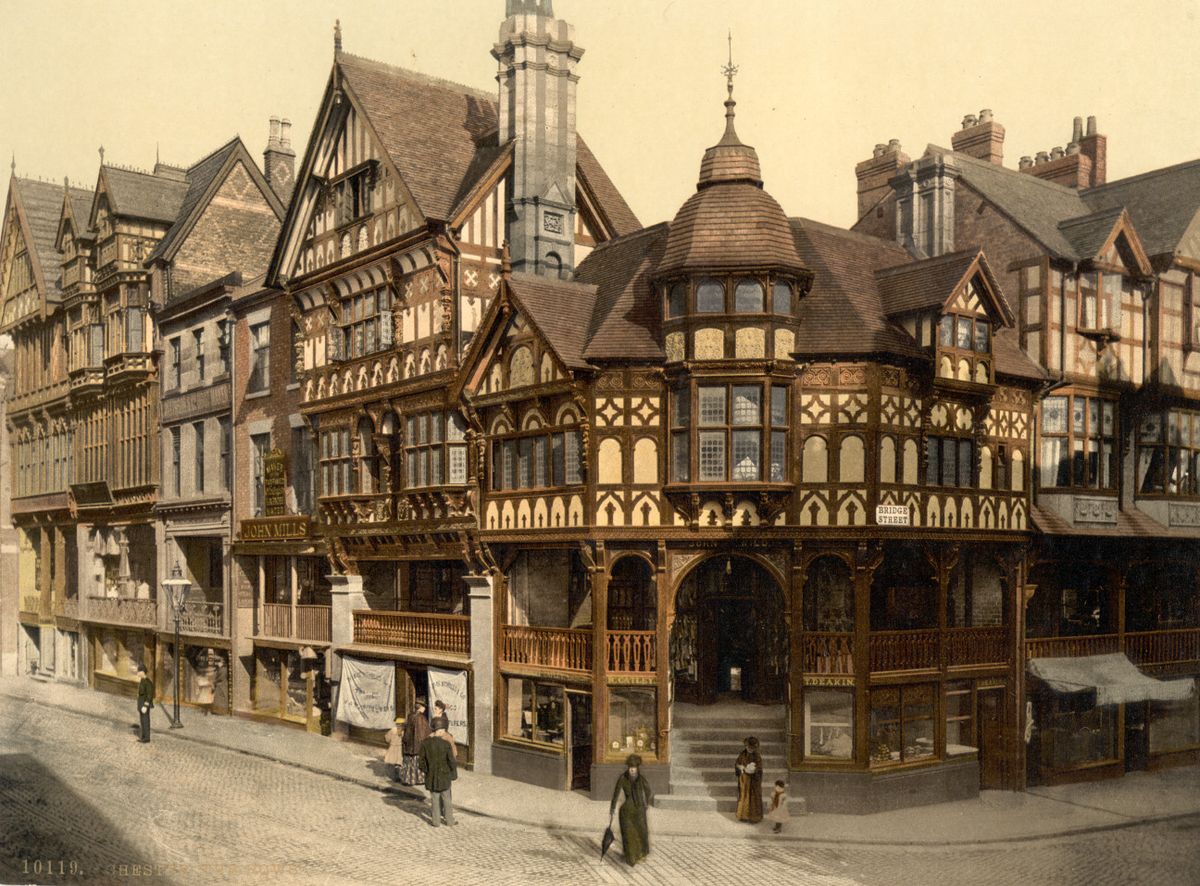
416, 730
635, 835
749, 775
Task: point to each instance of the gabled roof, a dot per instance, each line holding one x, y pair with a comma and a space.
1092, 235
38, 207
204, 178
627, 321
930, 283
843, 312
141, 194
610, 205
559, 311
1163, 204
76, 205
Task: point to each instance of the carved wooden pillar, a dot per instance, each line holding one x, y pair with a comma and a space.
868, 557
796, 661
598, 576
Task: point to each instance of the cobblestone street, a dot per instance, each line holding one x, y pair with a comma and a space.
81, 801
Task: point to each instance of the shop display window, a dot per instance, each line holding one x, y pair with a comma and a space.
108, 653
266, 681
829, 724
297, 687
901, 724
632, 714
960, 718
535, 711
1075, 734
1175, 725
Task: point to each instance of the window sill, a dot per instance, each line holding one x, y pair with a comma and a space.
530, 745
294, 386
258, 394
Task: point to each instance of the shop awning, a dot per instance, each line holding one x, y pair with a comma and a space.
1114, 678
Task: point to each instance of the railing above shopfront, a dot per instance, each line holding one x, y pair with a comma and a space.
632, 652
903, 650
1163, 647
311, 622
561, 649
134, 611
1072, 647
413, 630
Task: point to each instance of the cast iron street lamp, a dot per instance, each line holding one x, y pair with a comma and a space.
176, 587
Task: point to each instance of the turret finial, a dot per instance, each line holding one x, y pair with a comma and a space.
337, 35
102, 155
730, 70
13, 165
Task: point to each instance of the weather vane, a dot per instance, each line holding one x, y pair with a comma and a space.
730, 70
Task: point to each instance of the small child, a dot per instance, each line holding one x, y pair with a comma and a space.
779, 807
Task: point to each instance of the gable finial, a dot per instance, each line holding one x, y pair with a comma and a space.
13, 165
102, 155
730, 70
337, 36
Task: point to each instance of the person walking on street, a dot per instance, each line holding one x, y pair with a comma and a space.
635, 833
416, 730
779, 807
749, 776
145, 701
440, 770
394, 758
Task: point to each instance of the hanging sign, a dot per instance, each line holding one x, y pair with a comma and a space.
367, 693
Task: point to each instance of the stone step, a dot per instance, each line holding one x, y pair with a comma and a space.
740, 718
726, 732
796, 806
681, 773
706, 748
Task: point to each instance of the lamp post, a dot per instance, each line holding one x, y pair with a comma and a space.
176, 587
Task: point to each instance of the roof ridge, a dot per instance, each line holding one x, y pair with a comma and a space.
189, 169
1142, 176
847, 232
418, 75
1091, 216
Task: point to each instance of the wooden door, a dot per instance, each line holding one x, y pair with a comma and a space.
579, 726
991, 739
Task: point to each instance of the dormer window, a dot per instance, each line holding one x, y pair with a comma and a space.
1101, 295
964, 348
352, 195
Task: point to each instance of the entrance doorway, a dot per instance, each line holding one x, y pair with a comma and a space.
1137, 736
991, 739
729, 639
579, 712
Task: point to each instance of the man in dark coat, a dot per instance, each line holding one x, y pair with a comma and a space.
145, 701
437, 762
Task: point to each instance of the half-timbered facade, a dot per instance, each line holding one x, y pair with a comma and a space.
1102, 277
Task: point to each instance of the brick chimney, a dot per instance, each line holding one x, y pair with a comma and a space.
874, 175
1095, 147
980, 137
279, 160
1074, 166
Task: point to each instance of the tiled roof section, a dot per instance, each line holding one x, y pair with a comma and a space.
1035, 205
842, 313
1130, 523
730, 225
923, 284
142, 195
1010, 360
199, 179
560, 311
81, 209
611, 204
627, 321
42, 204
1162, 204
1088, 233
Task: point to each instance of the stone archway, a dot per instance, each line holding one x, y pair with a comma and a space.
729, 638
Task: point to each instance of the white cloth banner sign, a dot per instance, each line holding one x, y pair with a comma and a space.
450, 687
367, 694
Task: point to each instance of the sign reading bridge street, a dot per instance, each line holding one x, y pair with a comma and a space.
892, 515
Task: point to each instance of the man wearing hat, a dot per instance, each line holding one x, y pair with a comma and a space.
145, 701
440, 768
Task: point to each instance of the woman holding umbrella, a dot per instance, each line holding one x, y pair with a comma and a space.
749, 775
635, 835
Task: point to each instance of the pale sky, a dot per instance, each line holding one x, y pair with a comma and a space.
820, 84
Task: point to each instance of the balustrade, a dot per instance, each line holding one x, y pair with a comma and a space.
826, 652
1072, 647
972, 646
632, 652
276, 620
122, 610
903, 650
559, 648
1163, 647
413, 630
202, 617
314, 623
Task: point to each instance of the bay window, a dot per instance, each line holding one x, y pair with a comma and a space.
335, 462
367, 322
901, 724
1168, 453
537, 460
732, 437
1078, 439
435, 449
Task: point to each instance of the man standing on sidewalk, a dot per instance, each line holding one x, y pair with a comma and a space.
145, 701
437, 761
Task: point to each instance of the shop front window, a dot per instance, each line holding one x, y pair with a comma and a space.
535, 711
266, 681
631, 719
1175, 725
1074, 733
901, 724
829, 724
960, 718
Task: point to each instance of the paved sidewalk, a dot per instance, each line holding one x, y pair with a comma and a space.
996, 817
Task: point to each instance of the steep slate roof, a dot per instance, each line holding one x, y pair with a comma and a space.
923, 284
559, 310
81, 209
627, 321
41, 203
1162, 204
143, 195
442, 136
1089, 233
843, 312
200, 178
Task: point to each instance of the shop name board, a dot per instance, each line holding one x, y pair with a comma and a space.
892, 515
275, 483
272, 529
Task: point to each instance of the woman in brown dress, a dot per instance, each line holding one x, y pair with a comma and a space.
416, 730
749, 776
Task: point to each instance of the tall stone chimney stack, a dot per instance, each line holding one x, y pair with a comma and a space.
537, 57
980, 137
279, 160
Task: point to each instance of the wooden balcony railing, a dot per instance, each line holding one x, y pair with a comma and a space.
1072, 647
202, 617
903, 650
559, 648
122, 610
972, 646
314, 623
632, 652
413, 630
1163, 647
276, 620
827, 652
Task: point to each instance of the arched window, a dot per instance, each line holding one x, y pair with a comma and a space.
985, 467
887, 460
781, 298
710, 297
677, 300
910, 462
631, 596
815, 467
520, 368
748, 297
852, 460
